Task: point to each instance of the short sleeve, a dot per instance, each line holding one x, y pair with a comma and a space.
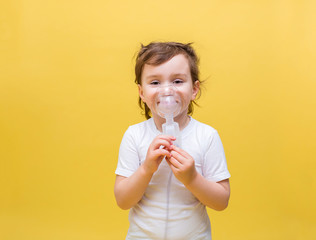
128, 160
214, 164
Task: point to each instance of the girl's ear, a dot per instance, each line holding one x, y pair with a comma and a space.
196, 89
140, 92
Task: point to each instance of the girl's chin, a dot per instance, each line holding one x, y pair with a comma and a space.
181, 115
157, 116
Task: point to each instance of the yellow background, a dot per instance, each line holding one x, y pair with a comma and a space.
67, 96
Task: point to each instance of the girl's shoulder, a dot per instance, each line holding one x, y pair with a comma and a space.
203, 128
139, 130
147, 124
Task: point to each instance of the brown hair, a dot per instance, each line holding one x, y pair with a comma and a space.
157, 53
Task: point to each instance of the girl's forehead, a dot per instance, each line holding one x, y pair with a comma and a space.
178, 64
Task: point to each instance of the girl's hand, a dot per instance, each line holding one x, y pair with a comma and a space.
158, 149
182, 165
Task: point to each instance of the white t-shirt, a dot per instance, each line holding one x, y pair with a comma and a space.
167, 209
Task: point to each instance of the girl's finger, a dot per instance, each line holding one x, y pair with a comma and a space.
162, 152
174, 162
161, 142
177, 156
173, 168
166, 137
180, 151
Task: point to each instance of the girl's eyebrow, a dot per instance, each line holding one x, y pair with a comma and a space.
175, 75
153, 76
181, 75
172, 75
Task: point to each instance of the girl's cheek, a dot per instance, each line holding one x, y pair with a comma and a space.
185, 101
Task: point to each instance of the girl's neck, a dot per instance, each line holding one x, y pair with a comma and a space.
182, 119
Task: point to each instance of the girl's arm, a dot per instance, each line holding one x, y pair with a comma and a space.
212, 194
128, 191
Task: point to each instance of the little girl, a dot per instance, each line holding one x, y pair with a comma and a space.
168, 186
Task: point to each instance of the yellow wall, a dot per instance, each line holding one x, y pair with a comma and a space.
67, 96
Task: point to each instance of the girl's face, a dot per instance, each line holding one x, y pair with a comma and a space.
176, 72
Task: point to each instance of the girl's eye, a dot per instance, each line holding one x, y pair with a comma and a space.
155, 82
177, 81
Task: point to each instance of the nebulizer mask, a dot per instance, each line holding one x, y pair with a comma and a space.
168, 105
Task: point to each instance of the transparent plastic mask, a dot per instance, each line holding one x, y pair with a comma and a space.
168, 102
168, 105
